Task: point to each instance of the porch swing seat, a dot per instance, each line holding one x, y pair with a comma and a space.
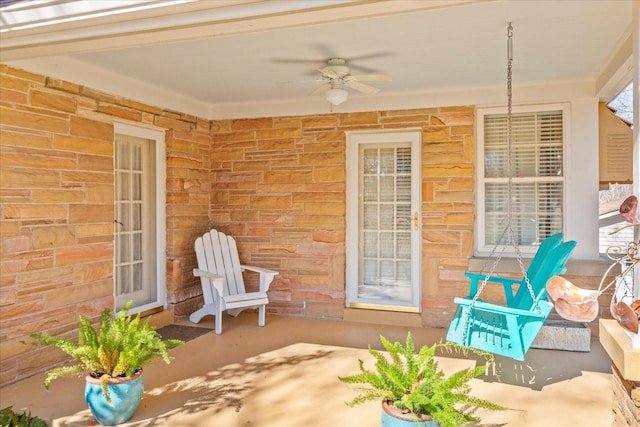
510, 329
508, 283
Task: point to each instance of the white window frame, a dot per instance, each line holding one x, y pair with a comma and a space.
481, 247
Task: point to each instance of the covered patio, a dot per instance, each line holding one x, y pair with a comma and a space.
236, 140
285, 374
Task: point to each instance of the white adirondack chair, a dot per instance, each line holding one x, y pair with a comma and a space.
220, 274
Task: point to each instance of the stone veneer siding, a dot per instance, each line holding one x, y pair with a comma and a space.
626, 400
57, 195
276, 184
279, 186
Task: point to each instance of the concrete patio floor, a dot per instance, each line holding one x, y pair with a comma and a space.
285, 375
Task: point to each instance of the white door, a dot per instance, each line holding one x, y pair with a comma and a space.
383, 221
138, 266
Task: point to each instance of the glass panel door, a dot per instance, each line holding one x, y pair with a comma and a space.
383, 262
135, 263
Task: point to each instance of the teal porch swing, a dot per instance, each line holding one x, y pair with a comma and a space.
510, 329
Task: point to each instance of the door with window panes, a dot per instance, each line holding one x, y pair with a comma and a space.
383, 221
135, 222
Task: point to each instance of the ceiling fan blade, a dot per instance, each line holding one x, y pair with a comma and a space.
296, 61
317, 79
361, 87
321, 89
373, 55
328, 72
370, 77
354, 61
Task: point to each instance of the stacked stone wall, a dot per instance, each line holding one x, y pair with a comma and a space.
626, 400
279, 186
276, 184
57, 207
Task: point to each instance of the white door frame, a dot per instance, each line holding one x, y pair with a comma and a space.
353, 244
158, 136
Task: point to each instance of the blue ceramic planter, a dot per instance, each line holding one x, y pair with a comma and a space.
125, 396
391, 417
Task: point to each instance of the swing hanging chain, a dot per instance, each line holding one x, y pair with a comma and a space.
511, 237
493, 251
509, 109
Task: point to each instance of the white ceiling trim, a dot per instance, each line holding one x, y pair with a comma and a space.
60, 13
544, 92
231, 58
84, 74
617, 70
78, 72
196, 20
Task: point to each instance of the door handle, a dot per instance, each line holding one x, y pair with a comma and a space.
415, 221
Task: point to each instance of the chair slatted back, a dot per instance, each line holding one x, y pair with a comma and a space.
545, 247
217, 253
553, 263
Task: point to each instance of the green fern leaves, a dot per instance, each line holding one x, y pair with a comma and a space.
414, 382
122, 346
10, 418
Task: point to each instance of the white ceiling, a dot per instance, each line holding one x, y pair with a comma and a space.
247, 58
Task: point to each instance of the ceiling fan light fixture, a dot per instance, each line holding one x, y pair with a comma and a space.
336, 96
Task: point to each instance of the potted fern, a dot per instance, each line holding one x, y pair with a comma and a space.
112, 359
414, 391
10, 418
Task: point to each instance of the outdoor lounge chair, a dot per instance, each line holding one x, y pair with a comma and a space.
220, 274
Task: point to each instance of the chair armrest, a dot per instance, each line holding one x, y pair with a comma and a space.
259, 270
216, 280
499, 309
494, 279
266, 276
506, 282
203, 273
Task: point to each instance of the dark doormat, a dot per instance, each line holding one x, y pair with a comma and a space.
181, 332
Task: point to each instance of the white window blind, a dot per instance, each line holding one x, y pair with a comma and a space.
537, 185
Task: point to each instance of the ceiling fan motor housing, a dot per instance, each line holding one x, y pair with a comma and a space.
337, 65
340, 70
337, 77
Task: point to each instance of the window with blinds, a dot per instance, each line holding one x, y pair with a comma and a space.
537, 171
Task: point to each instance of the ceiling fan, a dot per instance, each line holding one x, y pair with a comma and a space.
338, 77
